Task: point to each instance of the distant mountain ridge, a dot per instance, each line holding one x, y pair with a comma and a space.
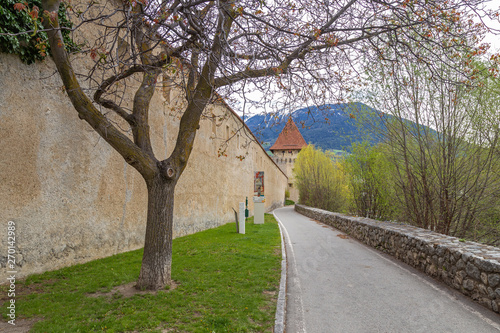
329, 126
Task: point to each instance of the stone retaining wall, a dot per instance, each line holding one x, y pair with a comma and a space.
471, 268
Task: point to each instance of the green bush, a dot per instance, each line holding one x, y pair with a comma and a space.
370, 181
321, 181
29, 46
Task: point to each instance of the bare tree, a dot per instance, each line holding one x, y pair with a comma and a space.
308, 50
444, 143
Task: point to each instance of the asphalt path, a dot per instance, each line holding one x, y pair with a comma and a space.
337, 284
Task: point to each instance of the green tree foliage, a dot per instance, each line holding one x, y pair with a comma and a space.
370, 178
16, 18
321, 181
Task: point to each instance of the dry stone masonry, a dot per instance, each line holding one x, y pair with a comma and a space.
471, 268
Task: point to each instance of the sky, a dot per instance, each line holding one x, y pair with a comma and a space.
491, 38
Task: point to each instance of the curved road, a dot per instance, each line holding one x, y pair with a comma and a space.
336, 284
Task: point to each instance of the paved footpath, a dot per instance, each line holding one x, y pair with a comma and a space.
336, 284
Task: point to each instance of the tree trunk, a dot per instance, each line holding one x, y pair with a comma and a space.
157, 258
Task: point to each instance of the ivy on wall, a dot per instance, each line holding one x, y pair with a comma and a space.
18, 16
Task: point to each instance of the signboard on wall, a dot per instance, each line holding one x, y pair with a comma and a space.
259, 184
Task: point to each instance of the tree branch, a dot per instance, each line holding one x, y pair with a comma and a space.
145, 164
190, 120
110, 104
146, 90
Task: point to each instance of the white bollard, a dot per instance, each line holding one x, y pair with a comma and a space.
259, 209
241, 218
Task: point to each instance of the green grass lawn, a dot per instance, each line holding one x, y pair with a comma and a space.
226, 282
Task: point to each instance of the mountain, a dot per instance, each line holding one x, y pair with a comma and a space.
329, 126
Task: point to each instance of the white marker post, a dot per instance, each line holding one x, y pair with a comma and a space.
258, 198
241, 218
258, 205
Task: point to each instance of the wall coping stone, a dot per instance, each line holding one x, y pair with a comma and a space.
472, 268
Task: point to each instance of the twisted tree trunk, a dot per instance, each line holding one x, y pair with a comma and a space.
157, 258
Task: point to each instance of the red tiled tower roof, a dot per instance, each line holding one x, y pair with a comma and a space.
289, 138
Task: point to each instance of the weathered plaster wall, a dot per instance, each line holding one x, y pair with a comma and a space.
74, 199
471, 268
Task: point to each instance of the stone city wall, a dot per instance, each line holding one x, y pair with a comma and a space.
471, 268
74, 199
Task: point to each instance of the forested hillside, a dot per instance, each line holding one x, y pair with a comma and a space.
329, 127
